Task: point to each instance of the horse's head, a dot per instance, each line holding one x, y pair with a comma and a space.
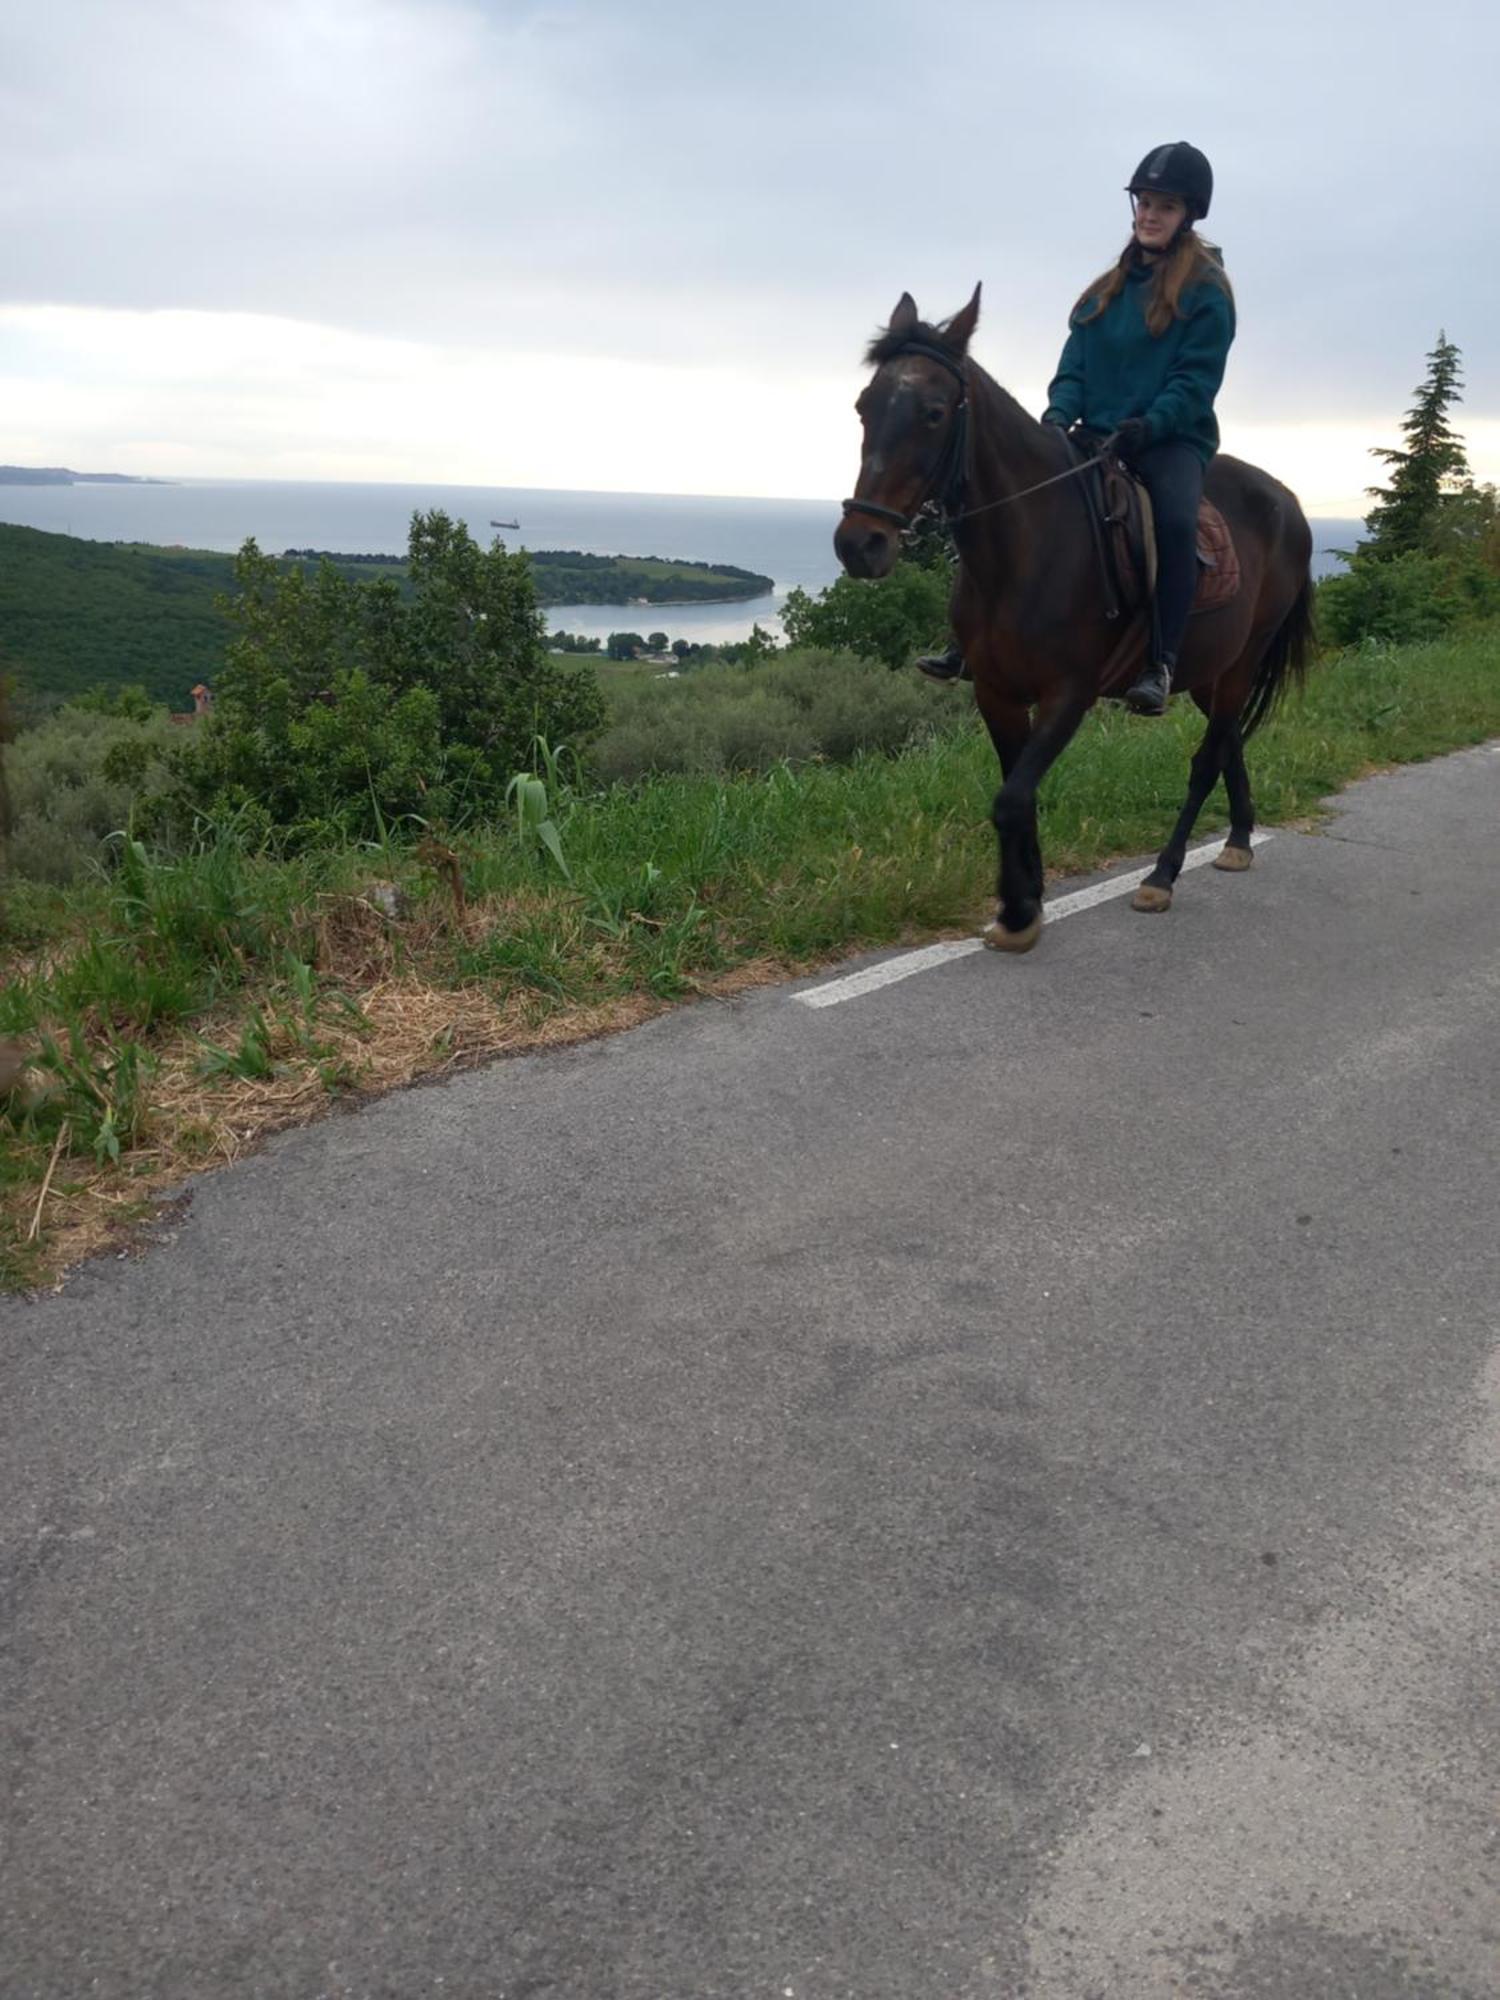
912, 412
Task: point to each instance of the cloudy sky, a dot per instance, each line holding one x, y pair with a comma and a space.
637, 244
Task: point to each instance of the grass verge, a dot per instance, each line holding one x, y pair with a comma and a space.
175, 1014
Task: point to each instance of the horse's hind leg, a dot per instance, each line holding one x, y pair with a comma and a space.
1237, 853
1155, 893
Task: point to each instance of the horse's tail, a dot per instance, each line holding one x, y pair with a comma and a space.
1284, 663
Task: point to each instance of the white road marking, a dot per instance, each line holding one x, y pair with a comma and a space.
855, 984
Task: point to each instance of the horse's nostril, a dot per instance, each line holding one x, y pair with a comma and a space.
863, 547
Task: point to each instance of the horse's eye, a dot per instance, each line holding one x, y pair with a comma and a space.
934, 417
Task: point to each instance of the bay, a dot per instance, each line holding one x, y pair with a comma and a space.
789, 540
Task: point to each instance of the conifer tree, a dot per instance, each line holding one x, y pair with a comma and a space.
1408, 513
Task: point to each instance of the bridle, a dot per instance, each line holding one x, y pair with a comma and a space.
946, 486
945, 489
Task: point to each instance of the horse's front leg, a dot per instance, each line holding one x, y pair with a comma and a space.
1008, 722
1018, 921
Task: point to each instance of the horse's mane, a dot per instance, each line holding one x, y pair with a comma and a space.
887, 345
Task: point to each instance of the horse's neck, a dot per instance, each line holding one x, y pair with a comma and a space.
1011, 454
1017, 450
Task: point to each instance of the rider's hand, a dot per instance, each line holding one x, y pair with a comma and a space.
1130, 438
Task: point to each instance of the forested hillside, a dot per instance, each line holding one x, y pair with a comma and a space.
76, 614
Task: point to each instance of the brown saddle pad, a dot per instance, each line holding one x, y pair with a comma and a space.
1128, 513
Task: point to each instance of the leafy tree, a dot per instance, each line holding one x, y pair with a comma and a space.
1397, 599
1432, 468
1468, 523
624, 645
1408, 598
657, 641
346, 703
892, 620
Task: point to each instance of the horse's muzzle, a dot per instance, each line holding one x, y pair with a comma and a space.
866, 548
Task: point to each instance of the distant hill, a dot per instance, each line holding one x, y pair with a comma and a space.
77, 614
564, 576
63, 475
567, 576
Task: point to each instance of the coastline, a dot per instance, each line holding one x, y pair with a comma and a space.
788, 541
658, 603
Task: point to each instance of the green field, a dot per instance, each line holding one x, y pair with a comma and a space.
178, 1008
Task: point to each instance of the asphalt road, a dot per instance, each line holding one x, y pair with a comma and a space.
989, 1489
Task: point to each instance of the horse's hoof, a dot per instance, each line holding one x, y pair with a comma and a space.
998, 938
1235, 859
1149, 897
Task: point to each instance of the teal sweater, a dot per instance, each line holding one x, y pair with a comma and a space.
1114, 367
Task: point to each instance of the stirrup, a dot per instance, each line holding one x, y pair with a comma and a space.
1150, 694
944, 667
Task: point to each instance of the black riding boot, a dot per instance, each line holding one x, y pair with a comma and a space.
947, 666
1149, 694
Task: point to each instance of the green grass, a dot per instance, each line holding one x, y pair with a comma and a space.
655, 888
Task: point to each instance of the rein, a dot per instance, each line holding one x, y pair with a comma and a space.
947, 483
1083, 465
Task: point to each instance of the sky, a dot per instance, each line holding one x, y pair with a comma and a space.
638, 245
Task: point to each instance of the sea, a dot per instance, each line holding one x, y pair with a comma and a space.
788, 540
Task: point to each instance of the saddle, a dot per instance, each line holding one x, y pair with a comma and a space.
1125, 511
1119, 511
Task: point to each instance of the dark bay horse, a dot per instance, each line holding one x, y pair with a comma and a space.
1029, 605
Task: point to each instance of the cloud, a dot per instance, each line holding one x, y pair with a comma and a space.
652, 183
190, 393
187, 393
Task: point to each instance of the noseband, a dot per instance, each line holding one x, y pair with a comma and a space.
945, 489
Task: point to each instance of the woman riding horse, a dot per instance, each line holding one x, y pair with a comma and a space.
1034, 611
1143, 362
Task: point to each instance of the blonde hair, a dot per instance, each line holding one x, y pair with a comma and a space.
1192, 262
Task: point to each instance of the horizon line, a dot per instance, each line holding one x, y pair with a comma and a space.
1327, 512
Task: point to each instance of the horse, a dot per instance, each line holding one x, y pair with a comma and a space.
1030, 606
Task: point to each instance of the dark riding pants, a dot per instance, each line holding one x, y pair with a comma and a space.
1173, 475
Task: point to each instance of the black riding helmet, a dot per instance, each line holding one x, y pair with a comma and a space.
1177, 169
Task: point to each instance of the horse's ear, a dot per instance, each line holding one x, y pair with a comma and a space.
904, 318
960, 329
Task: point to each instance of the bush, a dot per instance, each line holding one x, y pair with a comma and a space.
1406, 599
797, 706
349, 704
74, 780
